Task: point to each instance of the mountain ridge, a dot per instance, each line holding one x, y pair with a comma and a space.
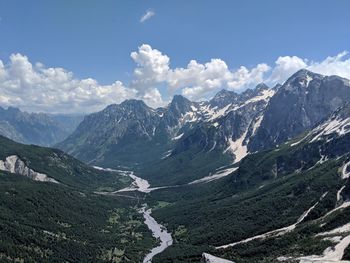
36, 128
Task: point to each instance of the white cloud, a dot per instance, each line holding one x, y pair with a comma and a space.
196, 80
210, 75
245, 78
153, 98
337, 65
148, 15
200, 80
152, 67
35, 87
285, 67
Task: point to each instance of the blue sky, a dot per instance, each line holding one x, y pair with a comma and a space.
94, 39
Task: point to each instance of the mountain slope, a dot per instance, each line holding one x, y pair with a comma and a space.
191, 140
292, 193
132, 134
36, 128
50, 212
119, 134
58, 166
44, 222
299, 104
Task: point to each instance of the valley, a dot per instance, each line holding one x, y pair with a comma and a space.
190, 182
175, 131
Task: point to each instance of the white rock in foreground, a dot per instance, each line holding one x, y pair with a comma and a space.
15, 165
207, 258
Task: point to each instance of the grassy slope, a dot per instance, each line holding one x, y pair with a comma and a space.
62, 167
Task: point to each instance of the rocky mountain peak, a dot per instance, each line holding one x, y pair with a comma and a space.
302, 79
261, 86
223, 98
134, 104
180, 100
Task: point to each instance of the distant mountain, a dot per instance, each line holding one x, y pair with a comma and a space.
191, 139
122, 132
36, 128
135, 135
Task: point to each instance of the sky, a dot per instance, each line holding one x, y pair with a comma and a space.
80, 56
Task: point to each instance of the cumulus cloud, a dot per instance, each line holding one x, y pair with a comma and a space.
35, 87
332, 65
196, 80
152, 67
285, 67
202, 79
153, 98
337, 65
148, 15
244, 77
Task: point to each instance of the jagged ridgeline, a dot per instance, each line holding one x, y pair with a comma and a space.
260, 176
190, 140
288, 204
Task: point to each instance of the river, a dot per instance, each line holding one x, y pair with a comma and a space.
158, 230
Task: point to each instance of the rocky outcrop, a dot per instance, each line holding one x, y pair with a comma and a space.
207, 258
304, 100
15, 165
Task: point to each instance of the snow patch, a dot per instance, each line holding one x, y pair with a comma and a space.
339, 193
308, 80
339, 230
257, 124
178, 137
345, 174
219, 113
265, 95
167, 154
237, 148
338, 126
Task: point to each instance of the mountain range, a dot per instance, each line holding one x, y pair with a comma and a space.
36, 128
257, 176
190, 136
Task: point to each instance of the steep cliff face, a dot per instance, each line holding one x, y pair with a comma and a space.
203, 136
134, 131
305, 99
